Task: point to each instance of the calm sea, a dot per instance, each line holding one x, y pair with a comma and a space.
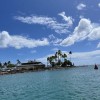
80, 83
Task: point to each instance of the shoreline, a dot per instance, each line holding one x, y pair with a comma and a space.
34, 70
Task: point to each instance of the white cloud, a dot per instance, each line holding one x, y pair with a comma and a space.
81, 6
86, 57
51, 36
98, 4
81, 16
84, 30
47, 21
55, 49
16, 41
95, 34
54, 40
33, 51
57, 41
68, 19
98, 46
80, 33
44, 59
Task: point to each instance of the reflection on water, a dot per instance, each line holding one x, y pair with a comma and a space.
81, 83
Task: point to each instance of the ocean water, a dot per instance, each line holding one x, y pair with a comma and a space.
80, 83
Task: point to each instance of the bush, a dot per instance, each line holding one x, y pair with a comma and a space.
11, 65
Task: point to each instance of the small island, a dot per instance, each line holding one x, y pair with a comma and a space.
57, 61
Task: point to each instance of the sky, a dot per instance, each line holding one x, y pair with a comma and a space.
36, 29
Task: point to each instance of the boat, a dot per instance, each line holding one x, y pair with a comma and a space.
95, 67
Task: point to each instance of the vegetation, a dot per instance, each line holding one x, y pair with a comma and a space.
9, 64
59, 59
18, 62
0, 65
70, 53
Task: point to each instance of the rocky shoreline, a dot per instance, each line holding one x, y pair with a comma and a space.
31, 70
53, 62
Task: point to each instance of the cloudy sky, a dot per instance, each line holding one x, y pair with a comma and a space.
35, 29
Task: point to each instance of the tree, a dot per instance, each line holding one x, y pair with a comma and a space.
59, 53
56, 56
51, 60
70, 53
10, 65
56, 60
48, 59
64, 56
69, 62
0, 64
9, 62
18, 62
5, 65
59, 57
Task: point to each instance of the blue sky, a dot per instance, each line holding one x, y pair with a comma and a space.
35, 29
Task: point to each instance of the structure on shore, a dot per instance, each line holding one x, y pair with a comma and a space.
31, 65
59, 60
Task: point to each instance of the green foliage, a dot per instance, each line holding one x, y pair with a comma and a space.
10, 65
18, 61
0, 65
70, 52
56, 60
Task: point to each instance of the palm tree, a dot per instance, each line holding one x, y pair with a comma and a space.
51, 60
48, 60
56, 56
59, 52
70, 53
0, 64
5, 65
64, 56
18, 62
57, 59
59, 56
9, 62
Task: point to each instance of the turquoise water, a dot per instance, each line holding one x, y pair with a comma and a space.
81, 83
